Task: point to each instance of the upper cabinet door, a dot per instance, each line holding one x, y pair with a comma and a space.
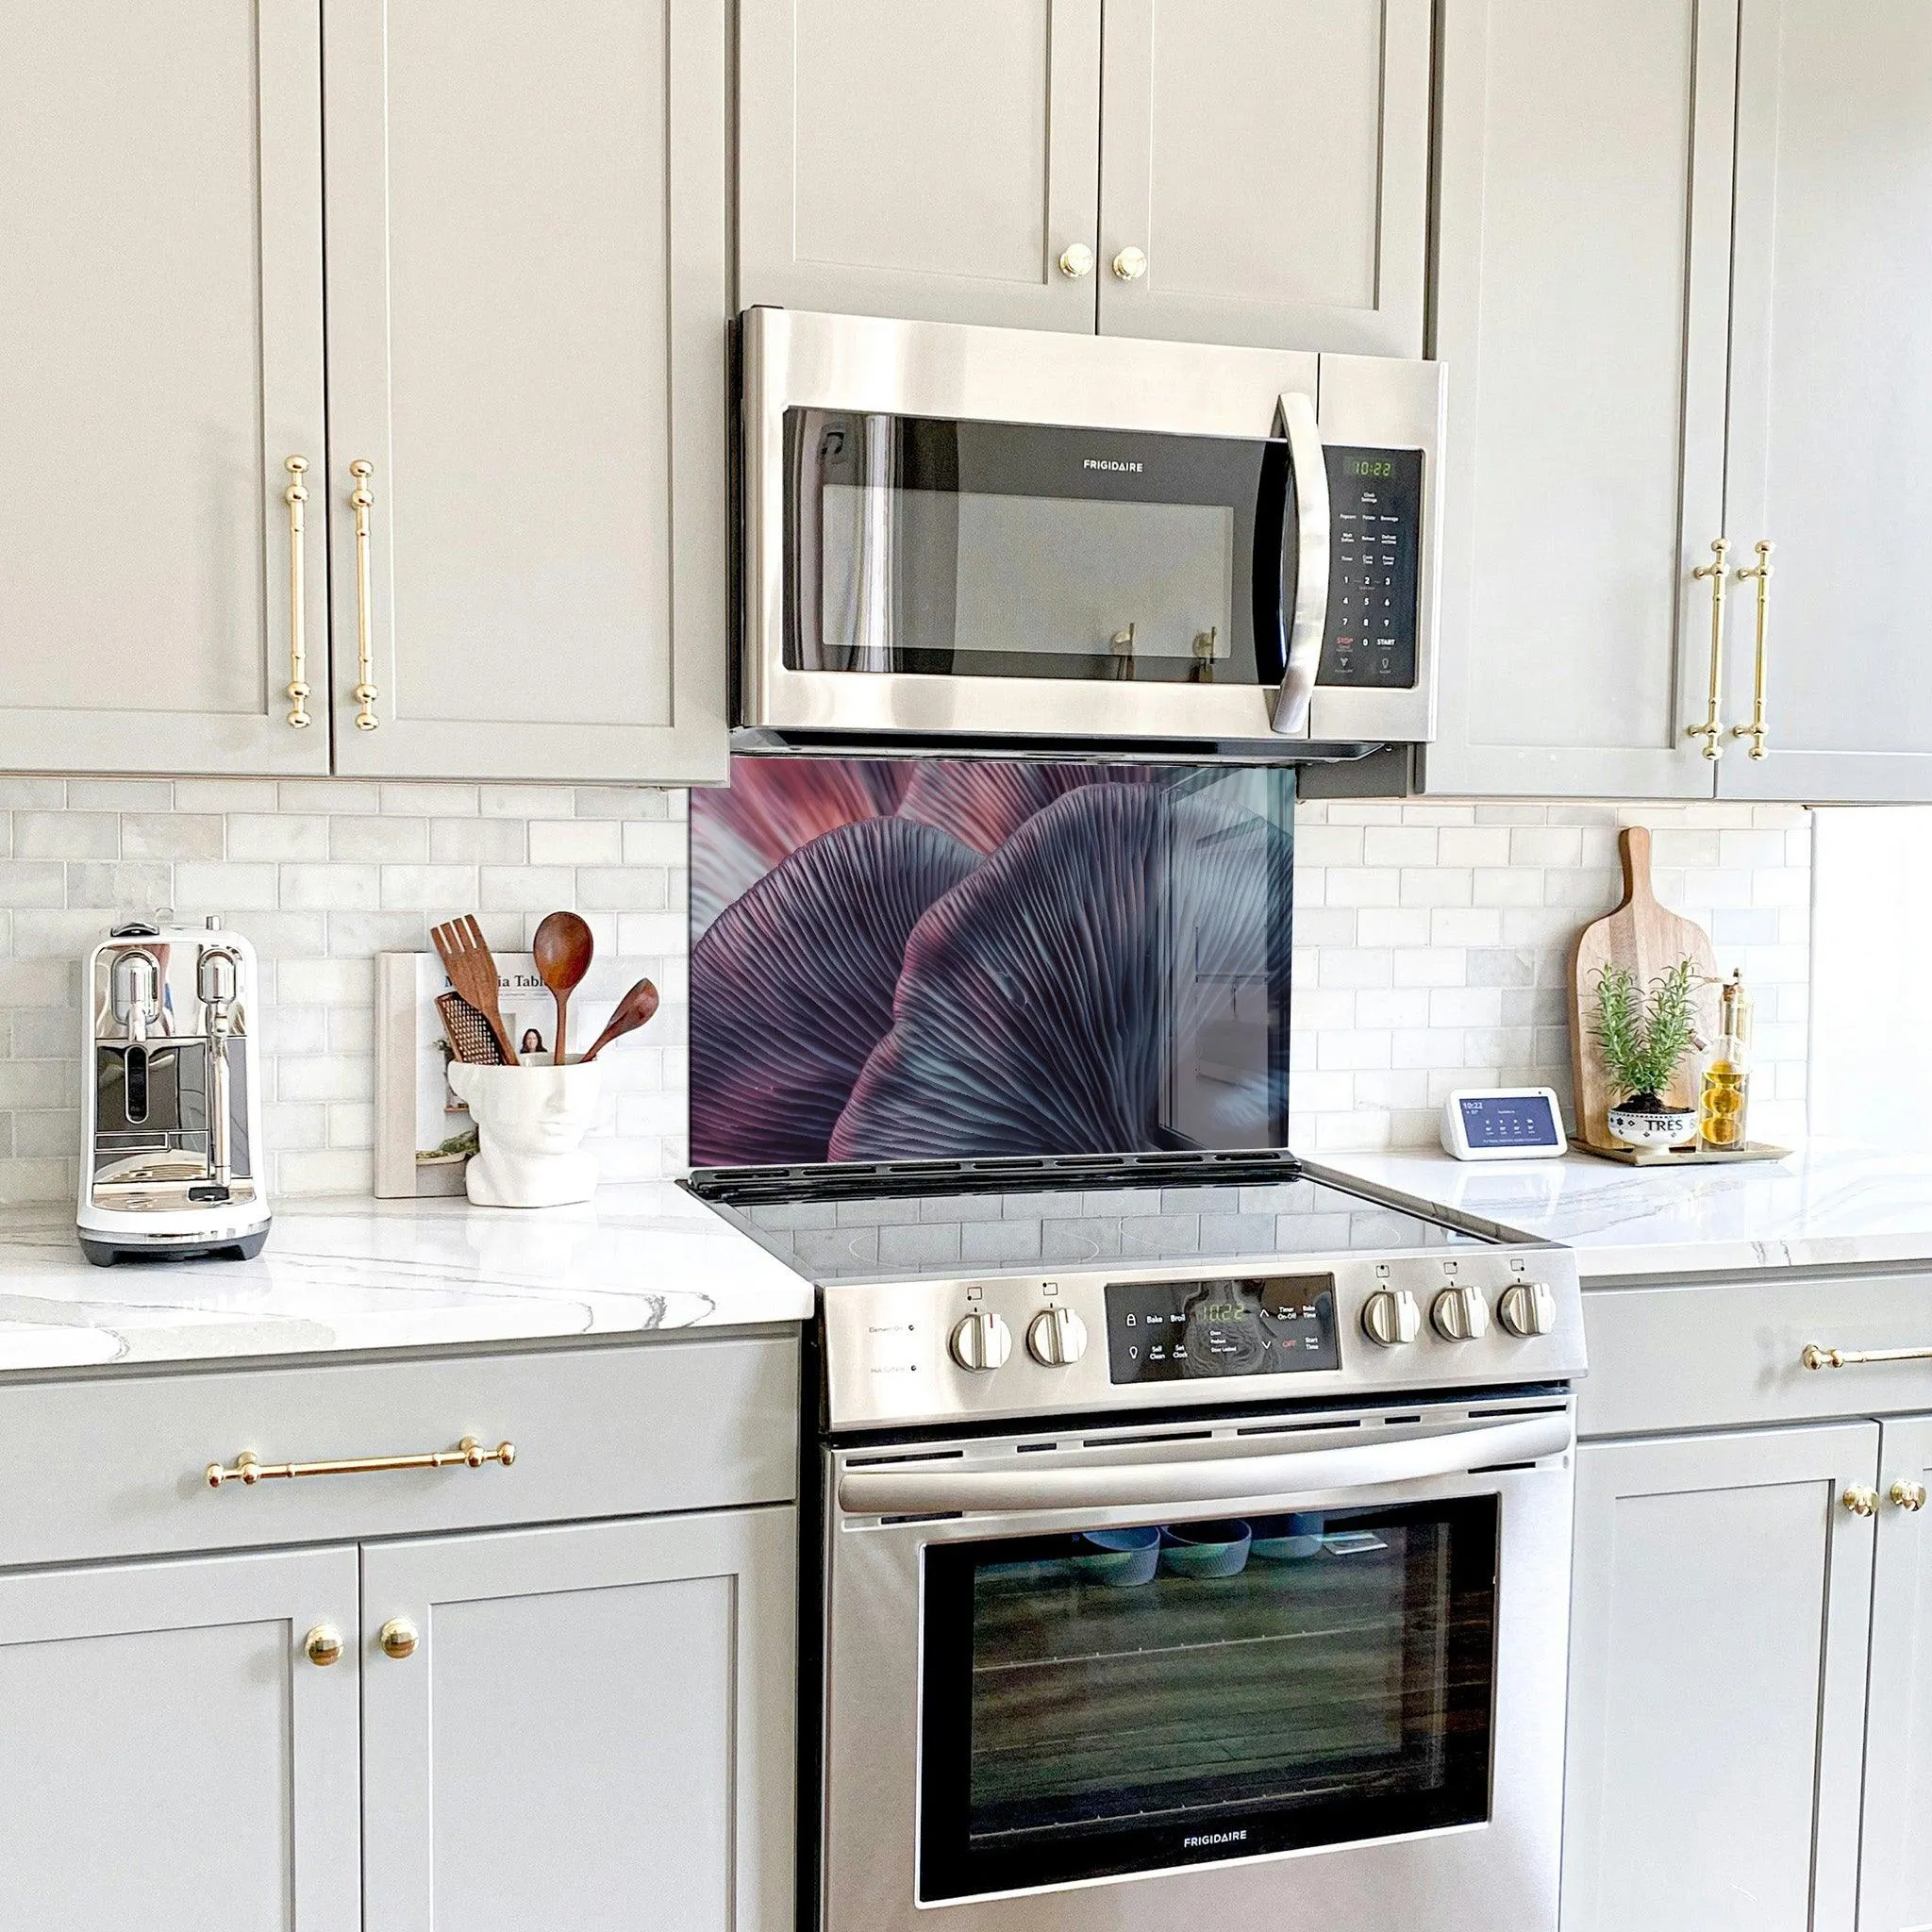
160, 281
592, 1729
1831, 397
920, 158
1895, 1864
175, 1760
1264, 173
1582, 264
527, 320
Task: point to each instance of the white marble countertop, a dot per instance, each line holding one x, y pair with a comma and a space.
1832, 1204
354, 1274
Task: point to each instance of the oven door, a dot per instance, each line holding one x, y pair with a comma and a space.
1280, 1672
997, 534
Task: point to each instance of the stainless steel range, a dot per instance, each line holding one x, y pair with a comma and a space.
1195, 1550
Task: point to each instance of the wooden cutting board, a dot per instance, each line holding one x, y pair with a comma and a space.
1645, 940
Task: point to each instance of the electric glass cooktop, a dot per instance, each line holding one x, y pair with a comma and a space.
905, 1236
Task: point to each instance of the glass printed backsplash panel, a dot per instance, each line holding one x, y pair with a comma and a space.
959, 958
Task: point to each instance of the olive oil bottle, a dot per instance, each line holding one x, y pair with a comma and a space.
1723, 1104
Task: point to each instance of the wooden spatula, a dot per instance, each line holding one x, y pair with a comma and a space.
1645, 940
468, 1032
633, 1009
466, 959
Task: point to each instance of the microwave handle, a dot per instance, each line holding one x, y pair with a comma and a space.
1303, 629
1243, 1477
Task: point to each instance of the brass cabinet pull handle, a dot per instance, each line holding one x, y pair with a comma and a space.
1816, 1358
1908, 1495
1712, 729
295, 495
469, 1453
365, 693
1754, 730
1860, 1501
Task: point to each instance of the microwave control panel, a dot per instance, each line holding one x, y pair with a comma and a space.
1376, 507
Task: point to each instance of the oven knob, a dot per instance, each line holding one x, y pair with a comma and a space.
1056, 1338
1390, 1317
1460, 1315
1527, 1309
982, 1342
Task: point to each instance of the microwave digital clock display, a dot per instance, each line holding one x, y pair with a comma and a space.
1375, 567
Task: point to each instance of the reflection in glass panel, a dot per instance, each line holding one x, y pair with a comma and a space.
1103, 1704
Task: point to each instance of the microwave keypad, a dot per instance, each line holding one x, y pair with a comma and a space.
1376, 498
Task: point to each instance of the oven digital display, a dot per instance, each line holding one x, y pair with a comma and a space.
1192, 1331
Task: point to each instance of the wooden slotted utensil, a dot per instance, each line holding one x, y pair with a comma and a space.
1646, 940
562, 948
633, 1009
460, 944
468, 1032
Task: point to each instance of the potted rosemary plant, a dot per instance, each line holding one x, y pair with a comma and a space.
1643, 1037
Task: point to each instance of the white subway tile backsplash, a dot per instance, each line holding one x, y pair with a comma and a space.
1431, 941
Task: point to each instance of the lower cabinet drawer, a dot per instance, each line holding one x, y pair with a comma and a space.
1690, 1355
118, 1466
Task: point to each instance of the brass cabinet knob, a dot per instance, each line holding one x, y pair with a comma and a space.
1860, 1501
1908, 1495
323, 1646
1130, 264
1076, 260
397, 1638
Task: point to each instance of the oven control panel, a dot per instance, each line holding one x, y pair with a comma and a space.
1375, 559
1204, 1330
1098, 1338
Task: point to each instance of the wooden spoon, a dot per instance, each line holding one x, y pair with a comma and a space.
562, 948
633, 1009
466, 957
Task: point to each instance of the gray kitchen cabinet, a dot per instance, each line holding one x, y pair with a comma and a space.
920, 158
1581, 290
527, 291
160, 196
1223, 171
1720, 1615
1270, 165
1831, 397
611, 1740
174, 1759
1895, 1862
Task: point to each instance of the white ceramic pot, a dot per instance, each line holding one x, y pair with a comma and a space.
530, 1125
1666, 1128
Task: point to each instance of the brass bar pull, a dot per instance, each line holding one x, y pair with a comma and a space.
469, 1453
1754, 730
1816, 1358
295, 495
1712, 730
365, 692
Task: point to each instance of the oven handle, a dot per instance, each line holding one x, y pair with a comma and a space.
1243, 1477
1302, 632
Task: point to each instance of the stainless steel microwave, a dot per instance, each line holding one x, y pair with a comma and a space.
962, 535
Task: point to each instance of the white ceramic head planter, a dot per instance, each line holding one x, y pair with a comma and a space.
530, 1125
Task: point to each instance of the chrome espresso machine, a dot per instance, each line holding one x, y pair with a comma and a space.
172, 1096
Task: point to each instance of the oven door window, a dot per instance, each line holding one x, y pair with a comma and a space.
1013, 550
1328, 1682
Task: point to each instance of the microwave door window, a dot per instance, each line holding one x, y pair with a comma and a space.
1010, 551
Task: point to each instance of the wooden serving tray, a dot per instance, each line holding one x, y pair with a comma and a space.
1686, 1156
